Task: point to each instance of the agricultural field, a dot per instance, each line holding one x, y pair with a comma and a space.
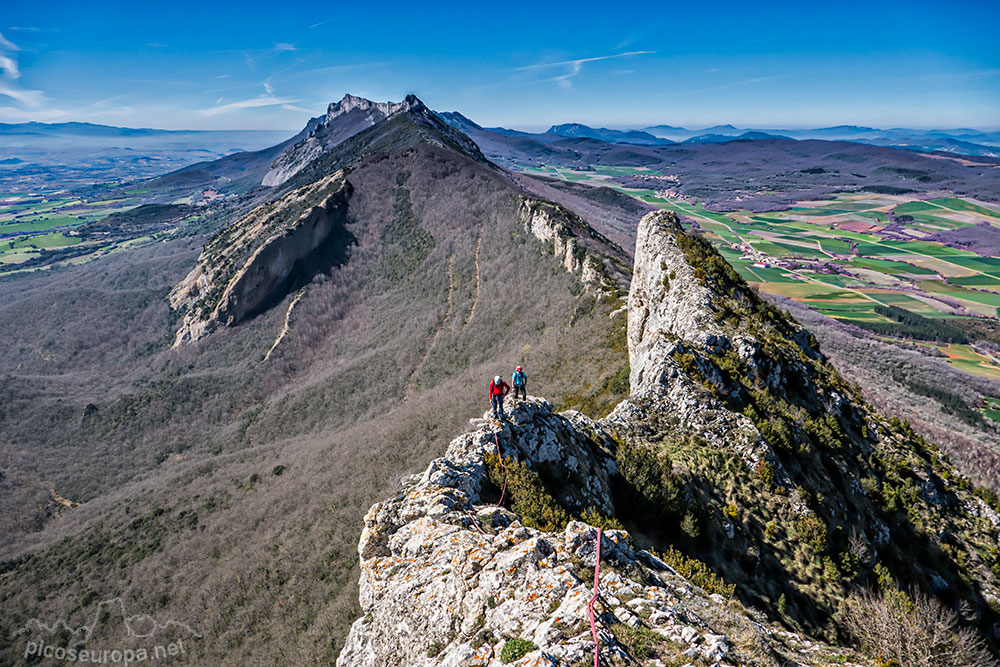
849, 255
31, 224
992, 409
53, 227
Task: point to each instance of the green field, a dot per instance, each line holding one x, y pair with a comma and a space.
844, 272
967, 359
33, 224
992, 409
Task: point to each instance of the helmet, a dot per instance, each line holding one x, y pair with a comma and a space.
497, 380
518, 369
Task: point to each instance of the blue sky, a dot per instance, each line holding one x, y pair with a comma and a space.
250, 65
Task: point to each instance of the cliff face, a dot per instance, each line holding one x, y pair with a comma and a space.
574, 244
788, 484
670, 308
255, 262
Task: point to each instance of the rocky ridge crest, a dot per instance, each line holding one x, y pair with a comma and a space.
448, 577
451, 578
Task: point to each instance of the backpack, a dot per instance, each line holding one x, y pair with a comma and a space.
518, 378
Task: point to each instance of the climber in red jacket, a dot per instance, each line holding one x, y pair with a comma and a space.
498, 389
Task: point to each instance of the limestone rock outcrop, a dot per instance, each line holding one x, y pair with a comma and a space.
255, 262
342, 120
671, 311
447, 577
573, 243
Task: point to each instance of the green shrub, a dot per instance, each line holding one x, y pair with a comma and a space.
598, 520
650, 473
515, 649
811, 531
690, 527
639, 642
696, 572
765, 471
527, 494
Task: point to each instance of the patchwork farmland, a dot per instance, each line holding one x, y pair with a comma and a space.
55, 227
855, 255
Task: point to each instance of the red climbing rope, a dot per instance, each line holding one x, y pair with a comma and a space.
503, 492
590, 605
503, 465
476, 523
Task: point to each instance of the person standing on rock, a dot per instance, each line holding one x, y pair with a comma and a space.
519, 379
498, 389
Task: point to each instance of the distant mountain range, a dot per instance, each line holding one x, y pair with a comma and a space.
964, 141
67, 154
94, 130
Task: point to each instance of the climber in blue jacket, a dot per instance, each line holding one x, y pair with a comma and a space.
519, 379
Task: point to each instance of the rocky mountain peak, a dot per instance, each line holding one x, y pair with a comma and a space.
350, 117
383, 109
449, 577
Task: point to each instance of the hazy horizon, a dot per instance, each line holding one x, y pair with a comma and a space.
539, 128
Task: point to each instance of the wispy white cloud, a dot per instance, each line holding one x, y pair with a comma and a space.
330, 69
11, 73
262, 101
268, 88
284, 46
955, 76
29, 98
7, 44
9, 67
316, 25
731, 84
574, 67
292, 107
223, 76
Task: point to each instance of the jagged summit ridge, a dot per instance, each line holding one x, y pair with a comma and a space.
376, 110
348, 118
343, 119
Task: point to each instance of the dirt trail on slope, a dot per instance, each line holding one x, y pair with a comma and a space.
432, 340
288, 321
475, 300
65, 502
